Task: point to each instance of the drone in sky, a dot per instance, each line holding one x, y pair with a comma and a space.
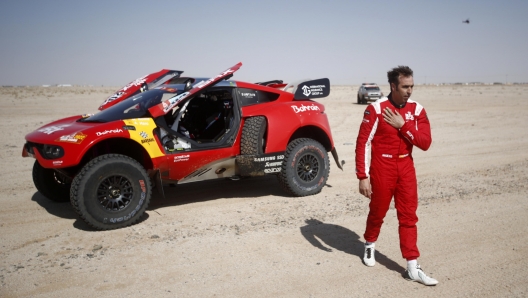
466, 21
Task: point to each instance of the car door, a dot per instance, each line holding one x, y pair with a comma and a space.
203, 160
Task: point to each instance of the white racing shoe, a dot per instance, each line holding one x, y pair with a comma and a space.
368, 257
417, 275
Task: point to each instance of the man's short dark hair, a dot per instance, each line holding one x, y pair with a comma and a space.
394, 74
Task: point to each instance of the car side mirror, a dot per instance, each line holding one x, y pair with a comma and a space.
188, 85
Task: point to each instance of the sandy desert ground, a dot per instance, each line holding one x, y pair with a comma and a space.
248, 239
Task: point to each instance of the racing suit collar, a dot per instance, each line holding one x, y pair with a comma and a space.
394, 104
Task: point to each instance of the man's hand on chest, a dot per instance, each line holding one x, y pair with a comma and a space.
393, 118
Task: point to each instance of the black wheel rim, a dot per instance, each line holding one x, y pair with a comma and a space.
308, 167
115, 193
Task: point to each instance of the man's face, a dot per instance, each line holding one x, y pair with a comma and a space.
403, 91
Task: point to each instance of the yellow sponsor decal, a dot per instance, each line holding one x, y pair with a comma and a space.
144, 135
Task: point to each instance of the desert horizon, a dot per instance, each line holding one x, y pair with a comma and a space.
249, 238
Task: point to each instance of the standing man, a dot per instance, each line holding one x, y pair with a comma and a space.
391, 127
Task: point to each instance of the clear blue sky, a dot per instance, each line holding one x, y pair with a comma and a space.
113, 42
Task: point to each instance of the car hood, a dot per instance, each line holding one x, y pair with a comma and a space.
70, 130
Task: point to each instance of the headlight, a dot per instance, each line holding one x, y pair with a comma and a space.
52, 152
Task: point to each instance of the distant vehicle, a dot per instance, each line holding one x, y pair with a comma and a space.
368, 92
466, 21
166, 129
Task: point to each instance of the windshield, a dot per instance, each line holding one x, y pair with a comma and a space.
136, 106
372, 88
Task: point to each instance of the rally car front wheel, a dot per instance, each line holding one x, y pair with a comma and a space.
51, 183
305, 168
112, 191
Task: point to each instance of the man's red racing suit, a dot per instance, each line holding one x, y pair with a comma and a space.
392, 170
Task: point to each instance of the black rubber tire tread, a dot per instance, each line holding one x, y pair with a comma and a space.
288, 178
252, 141
93, 170
46, 183
358, 101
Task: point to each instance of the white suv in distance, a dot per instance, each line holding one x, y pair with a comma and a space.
368, 92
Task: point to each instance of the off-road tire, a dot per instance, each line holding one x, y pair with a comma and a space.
358, 100
305, 168
112, 191
253, 140
51, 184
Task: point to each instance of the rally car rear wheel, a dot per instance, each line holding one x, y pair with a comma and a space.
51, 183
253, 140
112, 191
305, 168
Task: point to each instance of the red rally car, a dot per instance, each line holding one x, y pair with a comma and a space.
164, 128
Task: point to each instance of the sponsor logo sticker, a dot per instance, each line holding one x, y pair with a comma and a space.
272, 170
181, 158
303, 108
408, 116
102, 133
248, 94
138, 82
313, 90
146, 138
273, 164
306, 90
268, 158
142, 184
75, 138
205, 83
51, 129
172, 102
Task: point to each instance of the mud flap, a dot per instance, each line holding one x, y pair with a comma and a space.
336, 158
259, 165
158, 183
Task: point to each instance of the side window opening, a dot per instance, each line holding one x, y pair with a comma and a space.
206, 118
